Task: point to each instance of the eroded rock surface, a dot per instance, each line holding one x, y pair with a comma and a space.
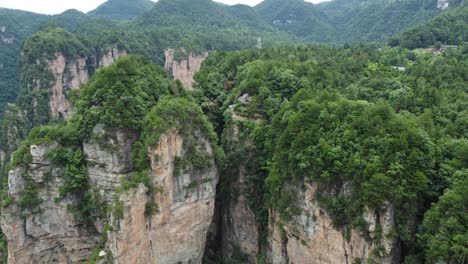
311, 237
47, 233
67, 75
184, 69
110, 56
177, 232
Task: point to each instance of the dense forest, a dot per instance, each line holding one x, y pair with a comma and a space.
206, 25
367, 126
345, 116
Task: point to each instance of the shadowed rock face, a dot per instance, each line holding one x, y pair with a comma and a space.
184, 70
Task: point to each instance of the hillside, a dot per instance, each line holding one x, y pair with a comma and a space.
205, 25
15, 25
300, 18
448, 28
122, 9
348, 20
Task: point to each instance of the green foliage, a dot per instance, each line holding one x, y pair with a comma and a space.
443, 233
122, 9
45, 44
75, 174
120, 95
446, 28
344, 119
178, 114
30, 200
3, 248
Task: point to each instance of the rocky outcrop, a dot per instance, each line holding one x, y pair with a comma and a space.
184, 69
109, 158
46, 233
177, 232
67, 75
110, 56
311, 237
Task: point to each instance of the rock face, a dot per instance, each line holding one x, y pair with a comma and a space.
240, 230
177, 232
67, 75
109, 159
48, 233
184, 69
311, 237
111, 55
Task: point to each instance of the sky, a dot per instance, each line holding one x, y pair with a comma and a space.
58, 6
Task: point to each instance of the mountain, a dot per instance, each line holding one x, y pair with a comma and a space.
206, 25
340, 21
447, 28
15, 25
201, 25
122, 9
299, 18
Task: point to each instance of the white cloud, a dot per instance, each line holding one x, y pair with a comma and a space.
58, 6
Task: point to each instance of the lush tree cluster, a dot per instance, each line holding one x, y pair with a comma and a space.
348, 121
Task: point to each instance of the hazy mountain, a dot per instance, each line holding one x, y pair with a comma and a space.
122, 9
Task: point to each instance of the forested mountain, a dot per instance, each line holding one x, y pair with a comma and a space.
122, 9
15, 25
348, 20
447, 28
201, 25
299, 18
250, 146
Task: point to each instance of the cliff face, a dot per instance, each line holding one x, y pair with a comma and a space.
177, 232
184, 69
71, 74
111, 55
45, 232
67, 75
240, 229
311, 237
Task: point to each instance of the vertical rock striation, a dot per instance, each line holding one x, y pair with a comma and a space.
110, 56
310, 237
177, 232
67, 75
184, 69
44, 233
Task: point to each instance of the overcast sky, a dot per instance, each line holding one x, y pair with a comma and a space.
58, 6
